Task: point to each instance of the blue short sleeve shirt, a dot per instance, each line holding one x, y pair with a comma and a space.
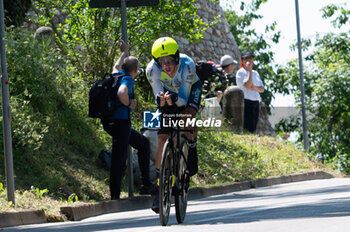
124, 112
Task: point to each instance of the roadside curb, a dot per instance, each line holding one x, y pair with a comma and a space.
22, 217
78, 212
196, 193
199, 192
75, 213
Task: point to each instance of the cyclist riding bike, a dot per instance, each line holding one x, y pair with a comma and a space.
175, 85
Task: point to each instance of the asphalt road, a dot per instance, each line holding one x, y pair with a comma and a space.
319, 205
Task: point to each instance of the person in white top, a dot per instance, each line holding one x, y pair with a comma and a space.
250, 82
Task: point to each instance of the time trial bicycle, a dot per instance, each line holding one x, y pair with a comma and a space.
173, 179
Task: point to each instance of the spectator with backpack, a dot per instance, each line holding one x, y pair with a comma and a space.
218, 77
119, 126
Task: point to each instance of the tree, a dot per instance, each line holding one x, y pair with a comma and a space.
248, 39
90, 37
327, 92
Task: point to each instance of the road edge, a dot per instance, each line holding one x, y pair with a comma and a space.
79, 212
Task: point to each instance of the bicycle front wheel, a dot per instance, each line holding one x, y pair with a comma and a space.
165, 184
181, 196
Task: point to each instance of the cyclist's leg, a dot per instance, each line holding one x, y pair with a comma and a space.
165, 183
161, 141
182, 184
192, 161
194, 102
162, 137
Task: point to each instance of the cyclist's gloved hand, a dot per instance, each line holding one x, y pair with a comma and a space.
171, 98
163, 99
160, 100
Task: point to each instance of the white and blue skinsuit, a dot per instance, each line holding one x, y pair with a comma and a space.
185, 84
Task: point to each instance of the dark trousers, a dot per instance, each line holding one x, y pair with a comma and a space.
251, 115
141, 144
122, 135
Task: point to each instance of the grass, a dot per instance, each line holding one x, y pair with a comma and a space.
227, 157
224, 157
56, 146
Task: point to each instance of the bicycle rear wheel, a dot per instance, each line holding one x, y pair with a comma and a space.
165, 184
181, 196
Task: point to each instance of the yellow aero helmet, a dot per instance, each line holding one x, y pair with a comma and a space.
165, 46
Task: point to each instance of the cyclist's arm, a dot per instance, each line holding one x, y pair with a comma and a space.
188, 75
153, 76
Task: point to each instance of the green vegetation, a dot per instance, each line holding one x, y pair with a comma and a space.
55, 144
326, 79
36, 199
227, 157
89, 38
327, 92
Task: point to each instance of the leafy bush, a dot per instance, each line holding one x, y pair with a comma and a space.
89, 38
327, 91
52, 135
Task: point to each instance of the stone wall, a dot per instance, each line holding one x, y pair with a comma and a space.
264, 126
217, 41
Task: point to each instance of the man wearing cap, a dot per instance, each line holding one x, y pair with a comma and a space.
227, 64
250, 82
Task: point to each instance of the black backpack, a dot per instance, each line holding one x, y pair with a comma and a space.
102, 96
209, 74
205, 71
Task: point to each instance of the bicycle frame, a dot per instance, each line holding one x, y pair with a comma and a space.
175, 134
172, 175
173, 183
